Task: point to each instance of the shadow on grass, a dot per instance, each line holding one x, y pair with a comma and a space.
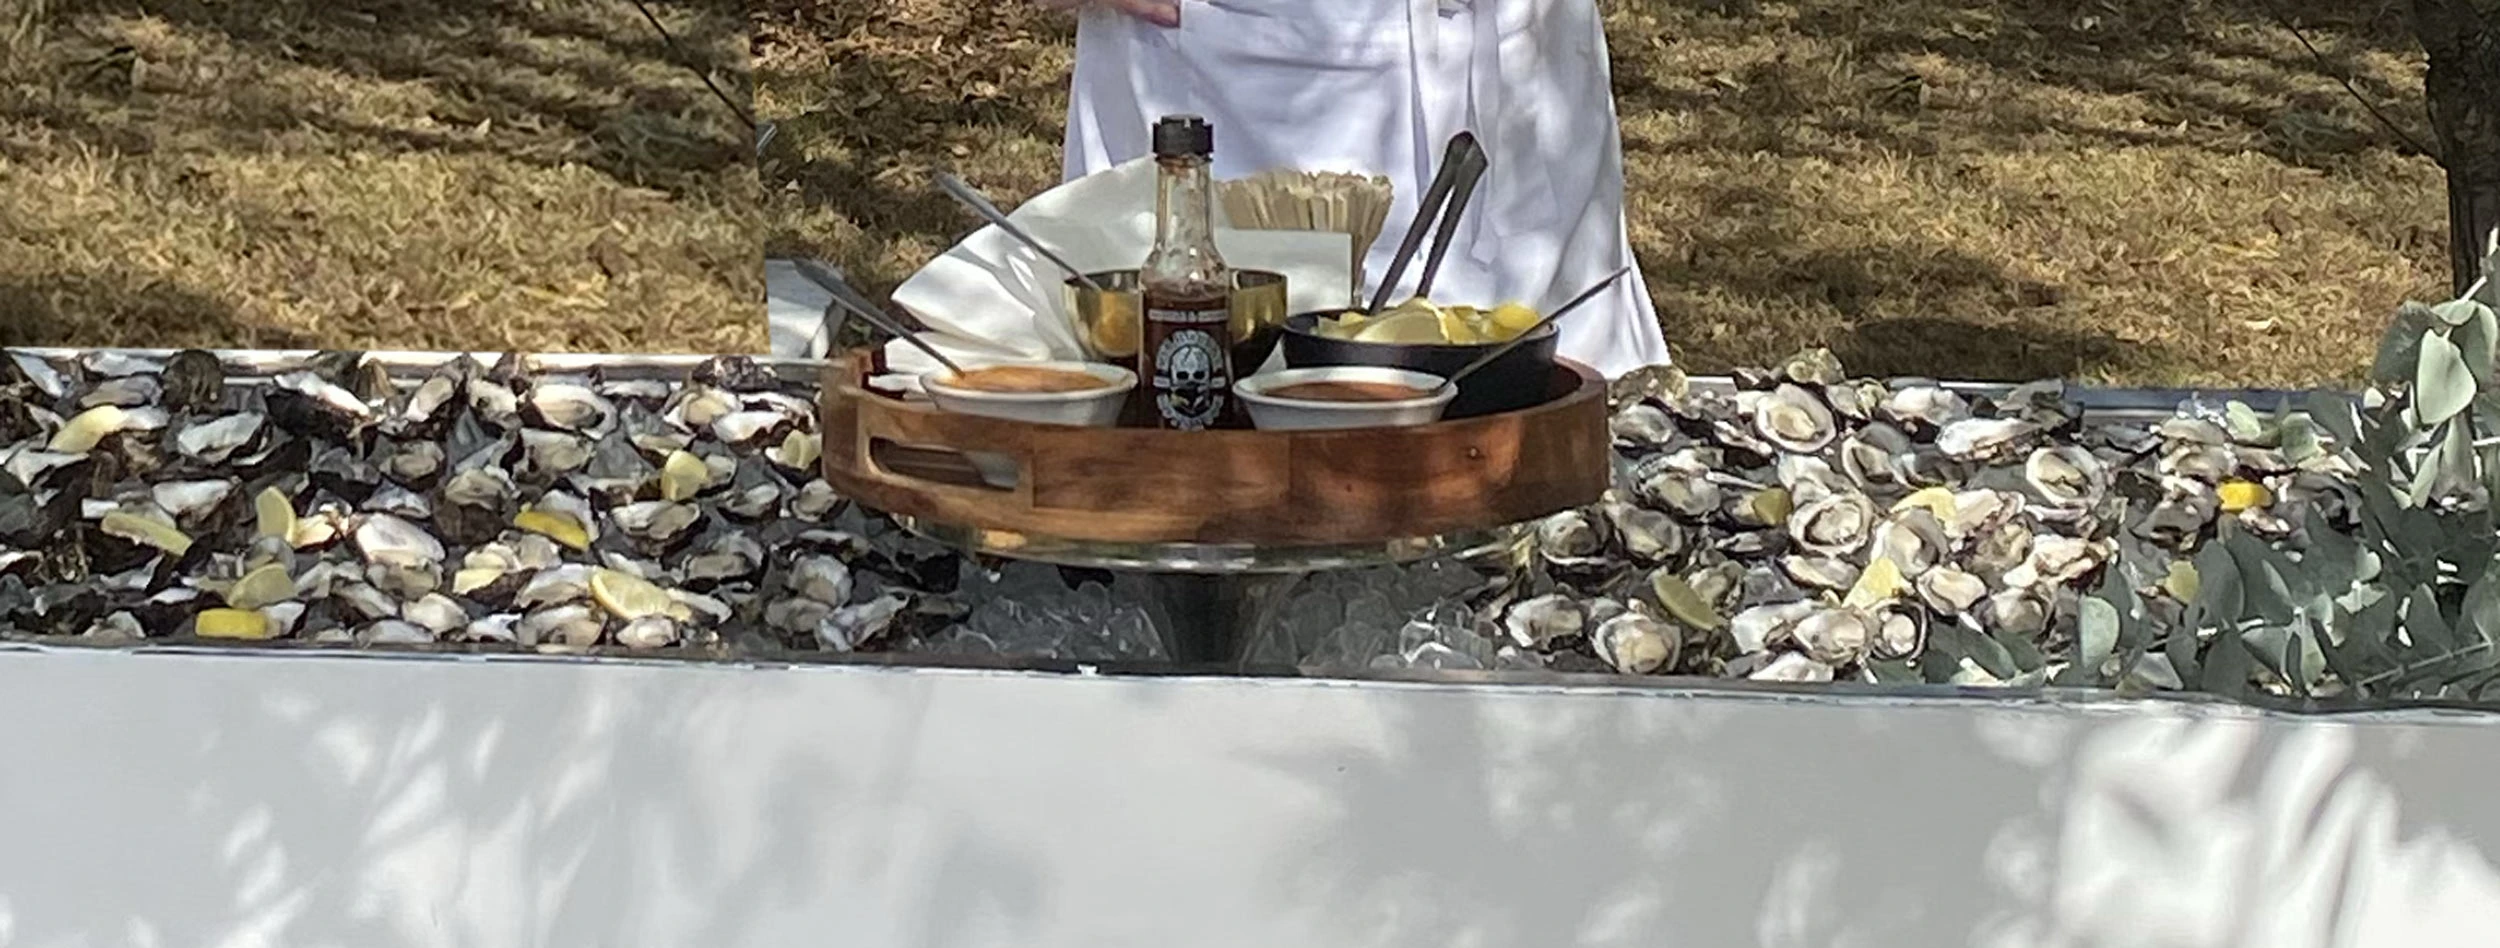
2197, 80
548, 84
873, 100
125, 309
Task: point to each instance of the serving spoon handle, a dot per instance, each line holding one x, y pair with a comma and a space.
847, 298
1516, 341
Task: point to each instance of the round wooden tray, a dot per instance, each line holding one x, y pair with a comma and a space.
1213, 501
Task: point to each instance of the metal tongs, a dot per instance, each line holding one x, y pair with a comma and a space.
1462, 165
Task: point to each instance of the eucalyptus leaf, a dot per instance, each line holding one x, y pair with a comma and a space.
2456, 460
2300, 440
2347, 659
2426, 473
2481, 611
2295, 673
2181, 652
2244, 424
2153, 671
2476, 337
2457, 312
2020, 650
2442, 385
1990, 653
2423, 625
2219, 601
2265, 592
2334, 412
2227, 667
1894, 673
2400, 346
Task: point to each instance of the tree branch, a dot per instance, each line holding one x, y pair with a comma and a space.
2274, 9
689, 63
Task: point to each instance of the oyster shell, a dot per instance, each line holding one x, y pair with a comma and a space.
1794, 419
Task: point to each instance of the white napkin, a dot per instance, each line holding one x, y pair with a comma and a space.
991, 299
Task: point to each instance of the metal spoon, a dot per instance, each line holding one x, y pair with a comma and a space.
849, 299
1487, 358
958, 189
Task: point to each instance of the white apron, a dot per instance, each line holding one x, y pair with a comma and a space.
1379, 87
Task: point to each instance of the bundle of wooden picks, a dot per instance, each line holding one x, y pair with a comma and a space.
1336, 202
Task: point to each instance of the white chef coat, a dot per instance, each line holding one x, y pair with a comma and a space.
1379, 87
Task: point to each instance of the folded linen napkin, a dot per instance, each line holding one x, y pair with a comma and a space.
991, 299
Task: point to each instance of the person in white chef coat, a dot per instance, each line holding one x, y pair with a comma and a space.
1379, 87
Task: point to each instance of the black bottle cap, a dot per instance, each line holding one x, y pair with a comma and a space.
1184, 136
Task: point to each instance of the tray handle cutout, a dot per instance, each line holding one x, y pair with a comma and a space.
946, 467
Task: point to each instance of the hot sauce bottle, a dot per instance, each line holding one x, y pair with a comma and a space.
1185, 357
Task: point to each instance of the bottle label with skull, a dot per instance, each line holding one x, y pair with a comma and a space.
1192, 371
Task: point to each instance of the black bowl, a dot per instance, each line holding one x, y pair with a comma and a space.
1516, 381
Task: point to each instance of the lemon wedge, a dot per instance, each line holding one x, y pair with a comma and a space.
1683, 602
80, 434
630, 597
2183, 583
261, 587
231, 624
2237, 496
1937, 500
683, 476
274, 514
1341, 327
1409, 328
1772, 506
1514, 318
147, 530
1458, 329
1881, 583
560, 527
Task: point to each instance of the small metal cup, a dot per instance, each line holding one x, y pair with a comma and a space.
1111, 321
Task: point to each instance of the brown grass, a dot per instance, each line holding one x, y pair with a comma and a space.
2135, 191
403, 173
2146, 191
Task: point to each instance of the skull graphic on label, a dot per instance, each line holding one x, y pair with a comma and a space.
1190, 379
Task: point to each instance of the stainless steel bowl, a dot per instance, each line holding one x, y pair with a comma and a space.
1108, 321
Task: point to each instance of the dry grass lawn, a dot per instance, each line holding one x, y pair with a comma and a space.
2136, 191
2143, 191
374, 174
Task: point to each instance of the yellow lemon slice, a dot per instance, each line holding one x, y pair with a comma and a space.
1116, 332
147, 530
1404, 328
1415, 305
274, 514
1684, 602
561, 528
2183, 583
1881, 583
261, 587
231, 624
2237, 496
629, 597
1514, 318
1936, 500
683, 476
1341, 327
80, 434
1773, 506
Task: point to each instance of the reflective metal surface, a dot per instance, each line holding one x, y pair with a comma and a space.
1107, 321
1219, 559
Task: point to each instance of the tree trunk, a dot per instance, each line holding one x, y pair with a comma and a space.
2463, 40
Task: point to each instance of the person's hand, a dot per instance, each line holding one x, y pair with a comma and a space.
1158, 12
